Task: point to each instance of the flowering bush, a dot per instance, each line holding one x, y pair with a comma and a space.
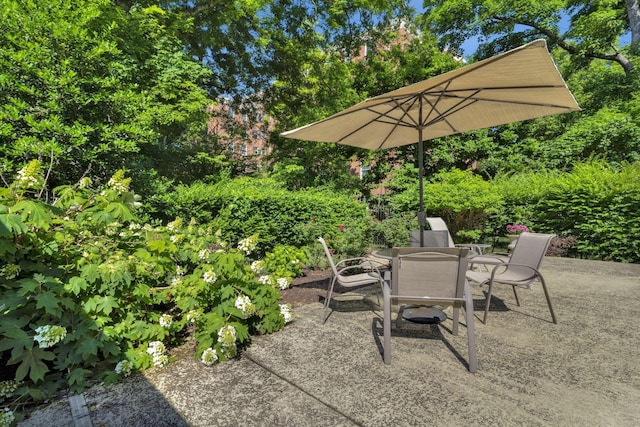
87, 285
517, 228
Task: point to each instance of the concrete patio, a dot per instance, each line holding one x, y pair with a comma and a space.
583, 371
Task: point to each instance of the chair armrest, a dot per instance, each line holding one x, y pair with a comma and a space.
507, 264
344, 261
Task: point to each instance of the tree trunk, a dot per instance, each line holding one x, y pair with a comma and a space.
633, 12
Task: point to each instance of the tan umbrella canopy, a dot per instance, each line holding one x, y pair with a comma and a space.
517, 85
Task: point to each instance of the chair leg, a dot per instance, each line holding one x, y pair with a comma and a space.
486, 309
456, 318
516, 295
327, 300
386, 350
546, 294
471, 333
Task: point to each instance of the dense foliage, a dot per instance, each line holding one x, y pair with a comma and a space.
596, 206
280, 216
88, 291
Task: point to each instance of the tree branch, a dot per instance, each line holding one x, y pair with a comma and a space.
573, 49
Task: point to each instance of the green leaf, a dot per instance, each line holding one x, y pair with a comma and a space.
88, 347
11, 224
120, 211
77, 377
34, 212
90, 272
76, 285
107, 304
31, 363
49, 302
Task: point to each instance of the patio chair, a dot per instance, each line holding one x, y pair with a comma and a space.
438, 224
432, 276
342, 274
431, 238
520, 270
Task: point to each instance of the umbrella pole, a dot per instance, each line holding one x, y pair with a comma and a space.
422, 216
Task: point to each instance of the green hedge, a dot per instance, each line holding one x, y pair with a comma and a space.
245, 206
596, 207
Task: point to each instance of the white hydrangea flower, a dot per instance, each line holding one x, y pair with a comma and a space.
8, 387
49, 335
30, 176
175, 224
85, 182
192, 315
257, 266
180, 271
248, 244
160, 360
165, 320
7, 417
204, 254
265, 279
134, 226
124, 367
157, 350
156, 347
210, 277
244, 304
209, 357
283, 283
177, 238
285, 311
10, 271
175, 281
227, 335
230, 350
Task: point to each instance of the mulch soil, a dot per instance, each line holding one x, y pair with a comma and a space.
310, 288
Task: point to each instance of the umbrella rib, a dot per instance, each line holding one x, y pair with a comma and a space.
384, 114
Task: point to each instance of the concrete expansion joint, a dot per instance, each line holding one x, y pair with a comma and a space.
79, 411
317, 399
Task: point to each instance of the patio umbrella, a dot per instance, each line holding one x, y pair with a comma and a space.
517, 85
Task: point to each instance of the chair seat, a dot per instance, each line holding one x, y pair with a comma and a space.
520, 270
506, 278
359, 279
489, 259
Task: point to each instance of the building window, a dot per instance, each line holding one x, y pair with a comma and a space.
244, 149
364, 170
230, 111
255, 133
256, 150
244, 117
232, 147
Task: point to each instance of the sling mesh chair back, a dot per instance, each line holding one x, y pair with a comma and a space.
519, 271
438, 224
342, 274
431, 238
430, 276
